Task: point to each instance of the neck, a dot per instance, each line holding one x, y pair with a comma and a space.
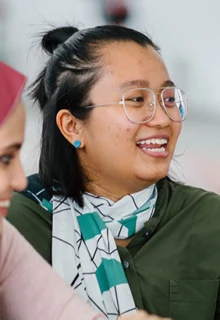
114, 194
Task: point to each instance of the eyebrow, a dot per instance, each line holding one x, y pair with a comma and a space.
168, 83
144, 84
13, 147
140, 82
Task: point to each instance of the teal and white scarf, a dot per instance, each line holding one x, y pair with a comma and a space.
84, 252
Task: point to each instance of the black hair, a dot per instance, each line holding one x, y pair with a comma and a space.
65, 83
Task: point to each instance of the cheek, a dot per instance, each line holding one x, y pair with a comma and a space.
111, 128
122, 135
4, 178
7, 173
5, 189
176, 130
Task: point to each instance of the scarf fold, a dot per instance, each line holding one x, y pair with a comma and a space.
84, 252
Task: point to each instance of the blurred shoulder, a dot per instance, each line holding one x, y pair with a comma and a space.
31, 204
195, 199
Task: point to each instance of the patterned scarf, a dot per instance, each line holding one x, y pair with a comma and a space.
84, 252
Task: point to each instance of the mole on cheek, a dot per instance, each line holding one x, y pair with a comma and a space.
141, 63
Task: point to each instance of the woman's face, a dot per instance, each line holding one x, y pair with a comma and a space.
11, 172
112, 154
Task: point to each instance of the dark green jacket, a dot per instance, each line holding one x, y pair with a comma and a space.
172, 265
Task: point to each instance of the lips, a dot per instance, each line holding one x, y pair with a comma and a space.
153, 143
154, 146
4, 203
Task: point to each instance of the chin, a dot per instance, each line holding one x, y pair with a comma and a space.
153, 176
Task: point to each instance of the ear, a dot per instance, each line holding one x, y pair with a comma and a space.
69, 126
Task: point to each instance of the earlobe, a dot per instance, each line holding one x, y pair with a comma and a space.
77, 144
69, 126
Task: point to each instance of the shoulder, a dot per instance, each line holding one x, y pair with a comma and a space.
32, 220
35, 198
189, 195
8, 249
37, 192
199, 204
26, 211
31, 205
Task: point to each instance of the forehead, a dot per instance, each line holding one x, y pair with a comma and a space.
128, 61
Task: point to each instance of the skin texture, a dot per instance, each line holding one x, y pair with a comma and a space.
11, 172
109, 152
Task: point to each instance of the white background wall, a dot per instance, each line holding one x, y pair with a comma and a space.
187, 31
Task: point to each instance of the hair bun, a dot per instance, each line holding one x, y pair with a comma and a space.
55, 37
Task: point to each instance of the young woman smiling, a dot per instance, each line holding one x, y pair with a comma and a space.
102, 209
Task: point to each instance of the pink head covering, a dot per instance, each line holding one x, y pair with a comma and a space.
11, 86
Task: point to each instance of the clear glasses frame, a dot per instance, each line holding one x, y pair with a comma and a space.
152, 104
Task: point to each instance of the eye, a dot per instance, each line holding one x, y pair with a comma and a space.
135, 98
138, 99
6, 159
170, 101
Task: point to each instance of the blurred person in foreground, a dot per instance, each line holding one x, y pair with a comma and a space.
103, 209
29, 288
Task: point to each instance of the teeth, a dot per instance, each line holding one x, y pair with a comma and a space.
162, 149
5, 203
153, 141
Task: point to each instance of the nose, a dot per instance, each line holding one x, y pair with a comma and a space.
160, 118
19, 181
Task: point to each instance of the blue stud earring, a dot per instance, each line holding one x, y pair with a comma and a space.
77, 144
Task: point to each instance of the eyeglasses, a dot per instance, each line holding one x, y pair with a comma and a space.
140, 104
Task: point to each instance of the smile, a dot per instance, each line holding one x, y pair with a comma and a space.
5, 203
155, 147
